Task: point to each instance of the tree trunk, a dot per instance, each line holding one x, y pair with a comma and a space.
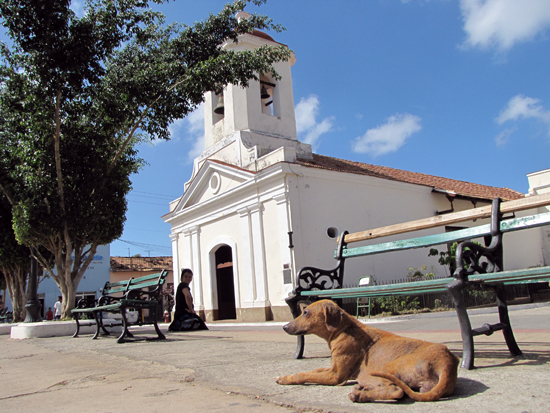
16, 281
66, 276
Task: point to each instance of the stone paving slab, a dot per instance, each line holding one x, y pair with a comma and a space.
232, 368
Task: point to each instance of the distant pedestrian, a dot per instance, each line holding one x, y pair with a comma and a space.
58, 308
49, 314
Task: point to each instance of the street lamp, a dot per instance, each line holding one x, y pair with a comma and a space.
33, 305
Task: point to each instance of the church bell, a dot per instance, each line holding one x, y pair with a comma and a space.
264, 94
219, 109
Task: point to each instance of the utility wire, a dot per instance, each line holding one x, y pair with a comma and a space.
152, 193
149, 247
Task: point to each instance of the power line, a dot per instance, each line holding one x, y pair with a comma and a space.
149, 247
150, 230
152, 193
149, 203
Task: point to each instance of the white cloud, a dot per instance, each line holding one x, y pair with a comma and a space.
190, 128
306, 112
523, 107
195, 129
388, 137
503, 137
518, 108
196, 120
503, 23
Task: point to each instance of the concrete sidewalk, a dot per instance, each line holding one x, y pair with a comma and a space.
231, 368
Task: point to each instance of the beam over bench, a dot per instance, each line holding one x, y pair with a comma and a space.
517, 205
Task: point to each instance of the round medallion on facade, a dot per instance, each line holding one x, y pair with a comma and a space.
215, 183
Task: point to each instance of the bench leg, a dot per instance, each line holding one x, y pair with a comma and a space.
125, 331
505, 319
98, 324
300, 345
455, 289
77, 325
157, 329
105, 332
292, 302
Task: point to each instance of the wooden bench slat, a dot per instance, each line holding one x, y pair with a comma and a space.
439, 284
448, 219
146, 278
510, 225
407, 287
110, 290
118, 283
529, 274
143, 285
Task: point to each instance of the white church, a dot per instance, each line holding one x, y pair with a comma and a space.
260, 205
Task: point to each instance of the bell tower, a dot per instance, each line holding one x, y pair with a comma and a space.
244, 124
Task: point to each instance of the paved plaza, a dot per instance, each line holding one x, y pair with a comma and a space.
231, 368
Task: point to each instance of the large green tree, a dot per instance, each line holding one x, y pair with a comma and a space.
14, 262
77, 93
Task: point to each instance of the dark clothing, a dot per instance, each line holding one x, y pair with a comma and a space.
187, 322
181, 303
184, 320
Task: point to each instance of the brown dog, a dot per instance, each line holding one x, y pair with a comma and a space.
386, 366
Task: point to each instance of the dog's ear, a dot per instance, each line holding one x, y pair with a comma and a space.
333, 316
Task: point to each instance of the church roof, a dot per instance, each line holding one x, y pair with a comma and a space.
454, 187
263, 35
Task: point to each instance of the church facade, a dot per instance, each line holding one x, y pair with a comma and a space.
260, 205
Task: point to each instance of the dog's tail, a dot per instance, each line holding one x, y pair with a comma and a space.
444, 387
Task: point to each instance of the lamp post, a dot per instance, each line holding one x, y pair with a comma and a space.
33, 305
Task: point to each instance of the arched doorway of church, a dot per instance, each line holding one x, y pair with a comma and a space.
225, 284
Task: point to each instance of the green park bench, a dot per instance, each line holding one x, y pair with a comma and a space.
484, 267
6, 316
117, 297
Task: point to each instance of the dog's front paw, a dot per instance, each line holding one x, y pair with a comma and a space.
284, 380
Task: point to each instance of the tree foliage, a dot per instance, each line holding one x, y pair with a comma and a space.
77, 94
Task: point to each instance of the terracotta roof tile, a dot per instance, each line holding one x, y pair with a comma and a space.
462, 188
141, 263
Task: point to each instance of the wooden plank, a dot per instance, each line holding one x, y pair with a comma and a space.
448, 219
146, 277
109, 291
439, 284
512, 276
387, 289
118, 283
510, 225
420, 242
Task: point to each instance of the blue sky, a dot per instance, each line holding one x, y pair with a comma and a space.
454, 88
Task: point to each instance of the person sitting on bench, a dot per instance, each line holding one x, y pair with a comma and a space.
185, 318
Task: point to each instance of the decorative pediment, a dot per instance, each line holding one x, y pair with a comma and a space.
213, 180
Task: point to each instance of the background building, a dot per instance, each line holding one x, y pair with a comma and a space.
97, 274
260, 205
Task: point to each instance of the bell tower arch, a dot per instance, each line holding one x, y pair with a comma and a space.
244, 124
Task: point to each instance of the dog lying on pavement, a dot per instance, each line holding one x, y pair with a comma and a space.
386, 366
